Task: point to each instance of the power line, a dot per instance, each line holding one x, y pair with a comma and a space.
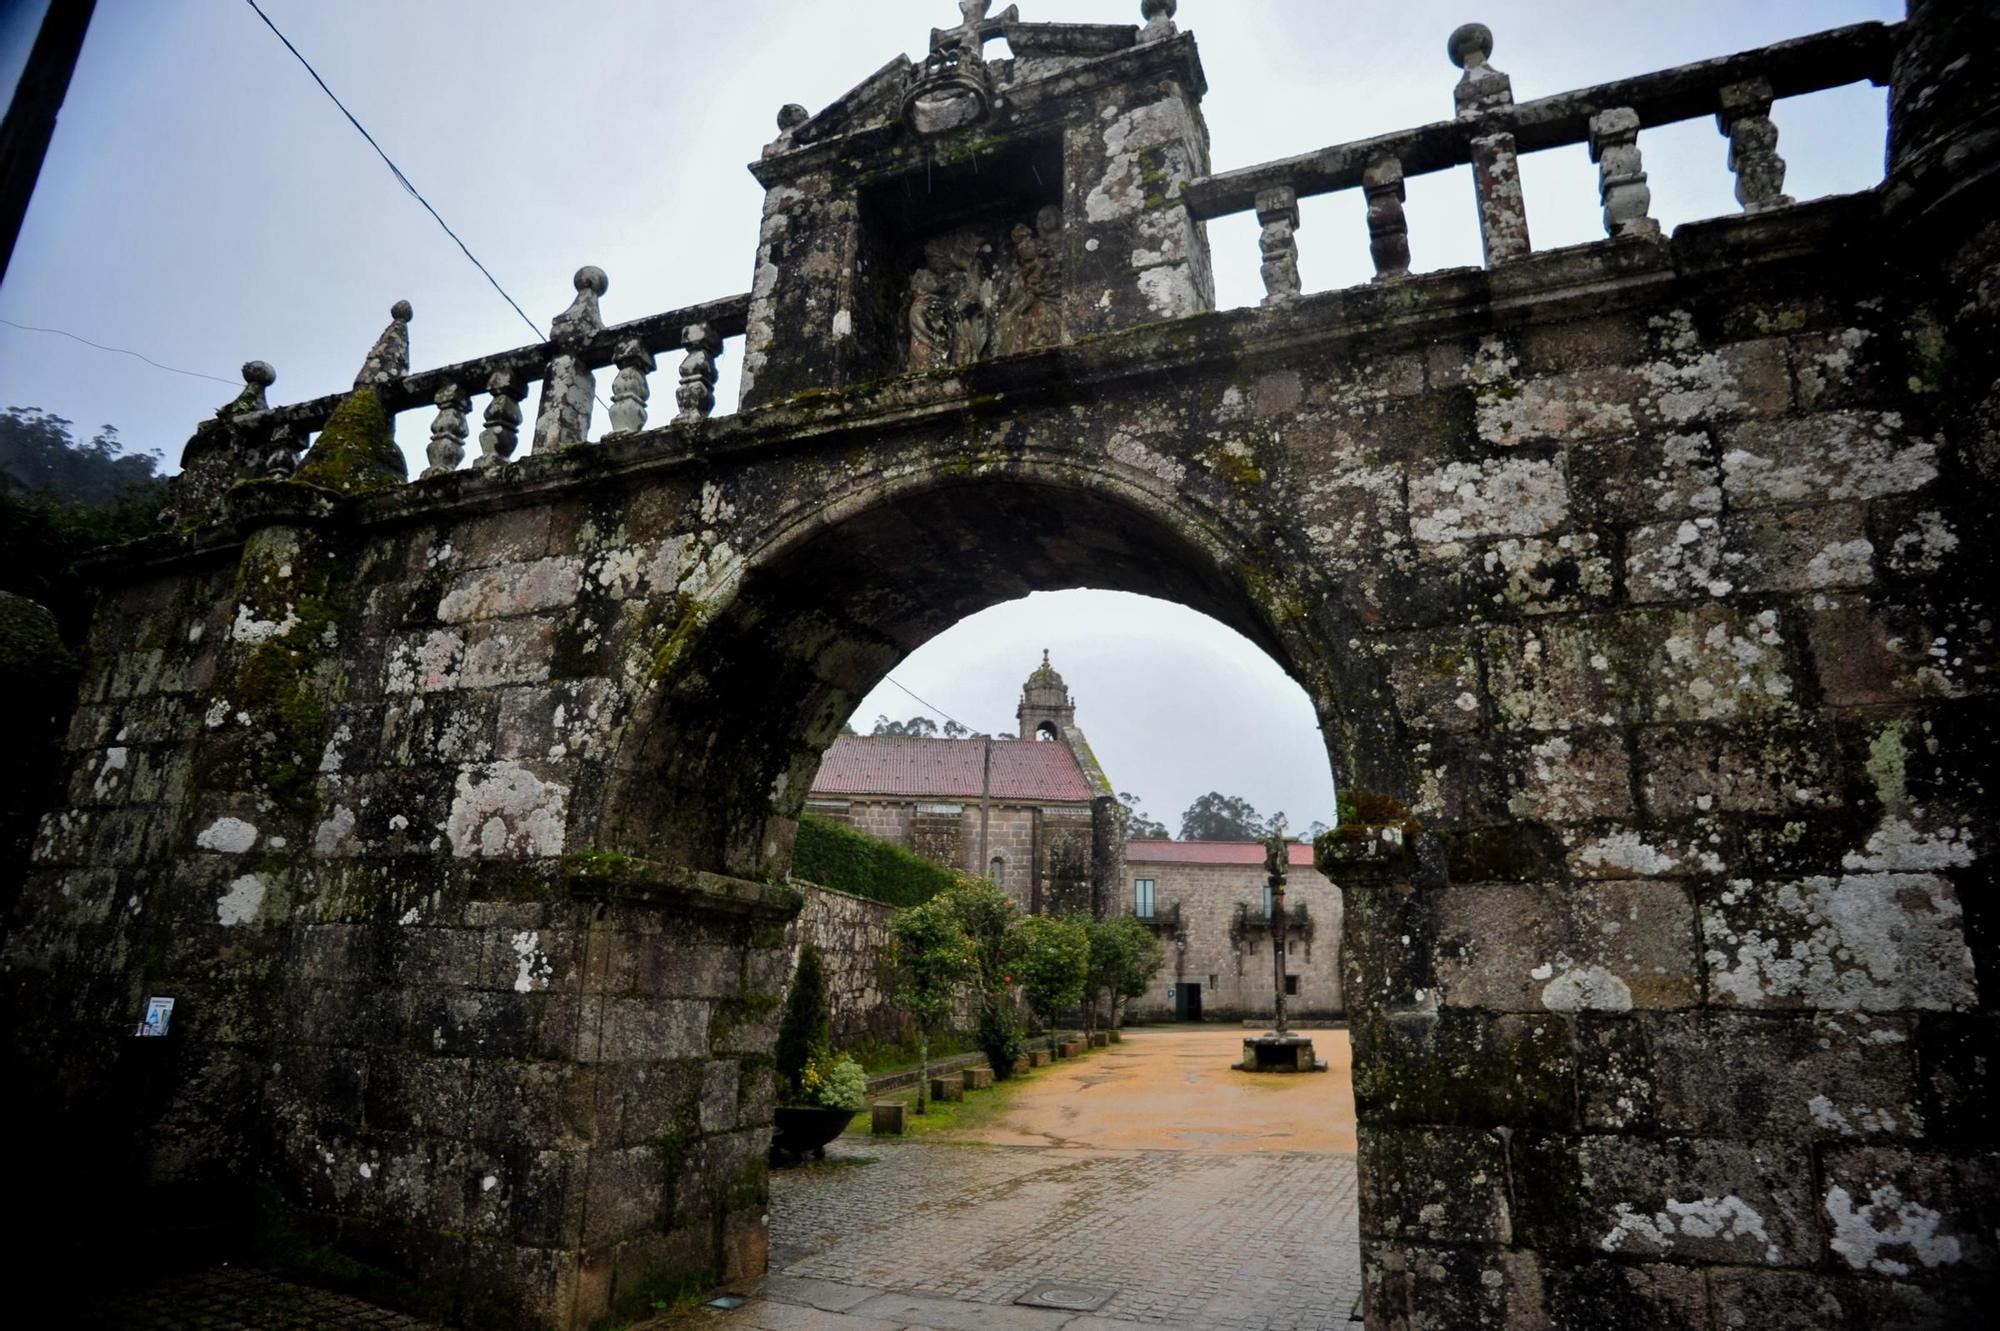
396, 171
122, 351
932, 706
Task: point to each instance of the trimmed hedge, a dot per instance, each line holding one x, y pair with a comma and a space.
836, 856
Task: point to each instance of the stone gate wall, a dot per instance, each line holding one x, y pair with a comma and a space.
1642, 587
852, 935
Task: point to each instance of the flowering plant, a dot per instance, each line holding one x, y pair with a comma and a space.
832, 1081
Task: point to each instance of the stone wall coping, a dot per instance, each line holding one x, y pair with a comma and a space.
623, 878
1593, 279
895, 1081
803, 885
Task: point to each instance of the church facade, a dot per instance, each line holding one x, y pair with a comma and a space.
1035, 814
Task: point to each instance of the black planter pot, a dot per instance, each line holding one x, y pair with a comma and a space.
800, 1129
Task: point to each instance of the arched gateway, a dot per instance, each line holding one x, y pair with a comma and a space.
1636, 584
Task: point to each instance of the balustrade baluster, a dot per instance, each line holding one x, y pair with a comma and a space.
1496, 158
1388, 228
1278, 213
696, 394
503, 420
1621, 174
629, 388
448, 431
569, 388
1745, 119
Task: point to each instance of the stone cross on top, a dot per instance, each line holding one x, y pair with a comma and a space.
971, 33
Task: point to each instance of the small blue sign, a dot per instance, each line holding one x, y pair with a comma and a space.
159, 1011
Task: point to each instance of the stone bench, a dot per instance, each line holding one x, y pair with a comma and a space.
978, 1079
888, 1118
1100, 1039
948, 1088
1039, 1058
1071, 1048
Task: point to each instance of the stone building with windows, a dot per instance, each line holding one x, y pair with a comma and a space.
1036, 814
1209, 904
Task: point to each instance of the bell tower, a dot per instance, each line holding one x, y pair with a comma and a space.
1046, 711
956, 210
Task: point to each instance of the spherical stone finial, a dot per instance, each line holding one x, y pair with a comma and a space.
591, 278
401, 312
791, 115
1152, 9
1471, 45
259, 374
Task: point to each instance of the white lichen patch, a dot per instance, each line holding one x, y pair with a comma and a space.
1899, 845
512, 589
335, 835
1719, 668
248, 628
1887, 1233
426, 665
1130, 452
504, 811
1848, 455
1501, 497
1722, 1219
1128, 136
1627, 852
110, 772
241, 902
229, 836
532, 968
1586, 988
1924, 547
1874, 942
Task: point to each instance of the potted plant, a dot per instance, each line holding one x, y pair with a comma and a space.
819, 1092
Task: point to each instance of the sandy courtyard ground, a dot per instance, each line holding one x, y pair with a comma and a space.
1170, 1088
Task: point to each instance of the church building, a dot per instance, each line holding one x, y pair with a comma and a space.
1036, 814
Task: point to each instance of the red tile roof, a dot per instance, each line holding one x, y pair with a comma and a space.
1033, 770
1210, 852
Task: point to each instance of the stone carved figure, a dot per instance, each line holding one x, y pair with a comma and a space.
932, 323
1033, 313
1277, 858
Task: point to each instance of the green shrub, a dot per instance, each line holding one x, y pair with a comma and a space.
833, 1081
804, 1032
1000, 1035
847, 861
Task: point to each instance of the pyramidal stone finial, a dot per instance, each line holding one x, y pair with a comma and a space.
389, 359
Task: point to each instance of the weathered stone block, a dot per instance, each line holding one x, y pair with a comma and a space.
1758, 1077
1748, 1300
887, 1117
1693, 771
1566, 778
1471, 1069
1893, 1212
1708, 1201
1461, 501
1523, 949
1841, 455
1435, 1185
978, 1079
1654, 1296
1039, 1058
1415, 1287
505, 590
949, 1088
1648, 477
1870, 941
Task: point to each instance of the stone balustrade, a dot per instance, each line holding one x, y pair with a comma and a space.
1491, 130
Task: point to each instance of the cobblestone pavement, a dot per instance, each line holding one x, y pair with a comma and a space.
234, 1298
1262, 1242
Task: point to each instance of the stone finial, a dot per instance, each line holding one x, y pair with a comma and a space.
629, 389
1388, 227
503, 420
1482, 88
1278, 213
1745, 118
696, 393
790, 116
1159, 16
257, 376
389, 359
1621, 175
582, 320
448, 431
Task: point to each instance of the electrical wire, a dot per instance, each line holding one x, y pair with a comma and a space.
122, 351
933, 707
397, 171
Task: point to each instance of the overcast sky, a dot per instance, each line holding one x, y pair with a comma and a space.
204, 204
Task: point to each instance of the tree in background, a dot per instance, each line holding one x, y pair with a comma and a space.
919, 727
933, 960
1124, 958
59, 500
1054, 965
1140, 826
988, 916
1219, 817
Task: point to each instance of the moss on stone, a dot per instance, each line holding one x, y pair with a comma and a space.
356, 450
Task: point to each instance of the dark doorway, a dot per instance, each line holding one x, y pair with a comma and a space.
1187, 1002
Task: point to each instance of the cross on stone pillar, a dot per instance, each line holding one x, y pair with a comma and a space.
1496, 160
1278, 212
1621, 175
1745, 119
1388, 228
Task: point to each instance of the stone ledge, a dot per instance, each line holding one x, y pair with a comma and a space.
635, 881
